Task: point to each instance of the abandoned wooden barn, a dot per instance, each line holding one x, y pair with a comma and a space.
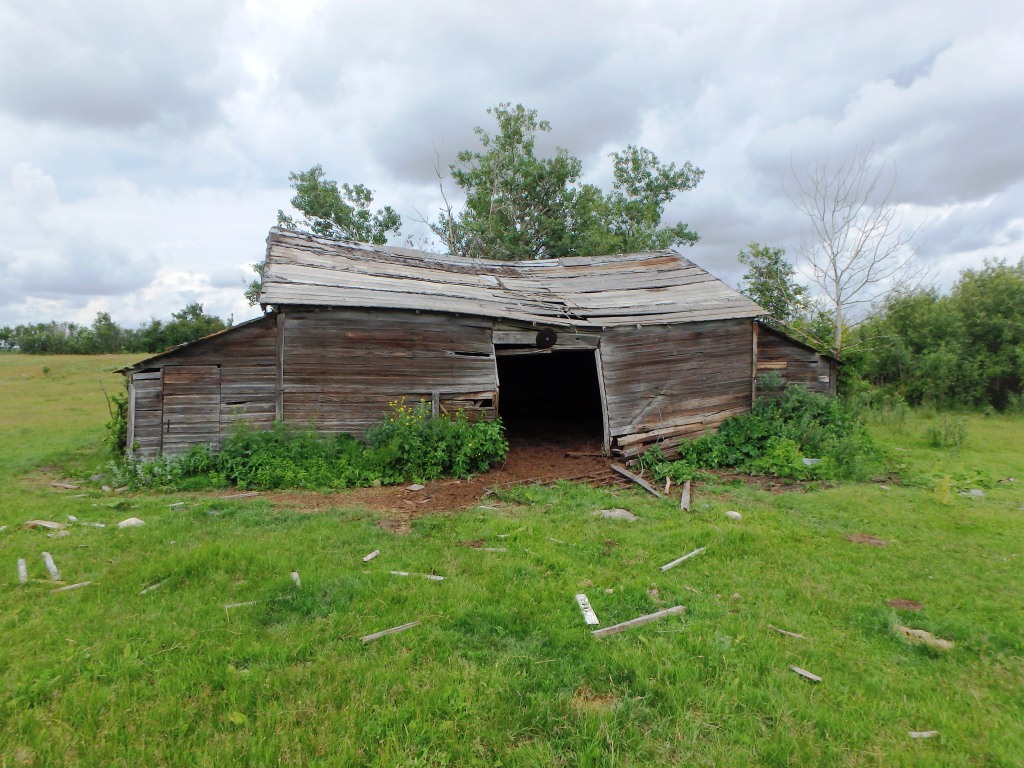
644, 348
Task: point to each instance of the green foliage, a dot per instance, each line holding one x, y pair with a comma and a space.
961, 350
769, 282
411, 444
947, 432
106, 337
776, 437
342, 212
116, 438
407, 445
521, 206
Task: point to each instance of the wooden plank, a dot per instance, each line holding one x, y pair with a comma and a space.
786, 632
637, 479
279, 366
804, 673
639, 621
22, 571
51, 567
678, 560
69, 587
384, 633
588, 612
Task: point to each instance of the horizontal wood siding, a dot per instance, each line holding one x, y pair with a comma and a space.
342, 368
220, 380
191, 407
794, 362
666, 384
146, 414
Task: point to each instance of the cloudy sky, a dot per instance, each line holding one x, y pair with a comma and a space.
145, 146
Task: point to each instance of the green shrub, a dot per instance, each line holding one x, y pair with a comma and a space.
408, 445
776, 436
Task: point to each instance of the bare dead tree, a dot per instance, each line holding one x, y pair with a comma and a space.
856, 250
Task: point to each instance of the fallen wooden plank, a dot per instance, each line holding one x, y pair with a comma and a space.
48, 524
51, 566
72, 586
588, 612
804, 673
239, 605
248, 495
493, 549
392, 631
678, 560
786, 632
430, 576
922, 734
636, 479
151, 587
684, 501
639, 621
22, 571
370, 556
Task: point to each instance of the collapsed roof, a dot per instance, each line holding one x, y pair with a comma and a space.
655, 288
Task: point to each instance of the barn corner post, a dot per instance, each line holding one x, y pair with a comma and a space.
753, 363
129, 442
279, 360
606, 430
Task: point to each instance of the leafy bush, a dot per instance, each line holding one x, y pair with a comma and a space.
776, 436
116, 438
408, 445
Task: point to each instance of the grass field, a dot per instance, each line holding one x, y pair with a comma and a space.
502, 670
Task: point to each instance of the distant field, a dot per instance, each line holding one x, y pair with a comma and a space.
502, 670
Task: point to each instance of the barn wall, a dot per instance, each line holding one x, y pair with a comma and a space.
794, 362
198, 393
343, 367
666, 384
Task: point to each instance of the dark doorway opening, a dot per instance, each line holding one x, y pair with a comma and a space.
553, 397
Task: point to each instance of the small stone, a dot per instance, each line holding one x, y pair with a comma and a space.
131, 522
616, 514
884, 487
415, 487
975, 493
609, 591
106, 488
72, 519
732, 514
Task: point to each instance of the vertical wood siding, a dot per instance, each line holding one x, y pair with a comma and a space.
146, 414
342, 368
665, 384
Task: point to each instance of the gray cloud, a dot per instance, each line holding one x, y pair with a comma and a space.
153, 143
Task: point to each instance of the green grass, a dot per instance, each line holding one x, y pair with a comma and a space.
502, 669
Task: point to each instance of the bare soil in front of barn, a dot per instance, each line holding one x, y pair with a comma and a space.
534, 458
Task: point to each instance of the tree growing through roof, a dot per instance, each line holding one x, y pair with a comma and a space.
331, 210
521, 206
856, 249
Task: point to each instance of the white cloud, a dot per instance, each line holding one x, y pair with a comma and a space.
144, 149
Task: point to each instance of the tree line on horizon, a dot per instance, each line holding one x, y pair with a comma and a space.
104, 336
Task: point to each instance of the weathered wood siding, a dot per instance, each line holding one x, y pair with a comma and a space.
665, 384
795, 363
197, 393
145, 413
343, 367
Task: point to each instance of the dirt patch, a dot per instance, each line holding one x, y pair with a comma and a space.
864, 538
474, 544
585, 699
534, 460
901, 604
